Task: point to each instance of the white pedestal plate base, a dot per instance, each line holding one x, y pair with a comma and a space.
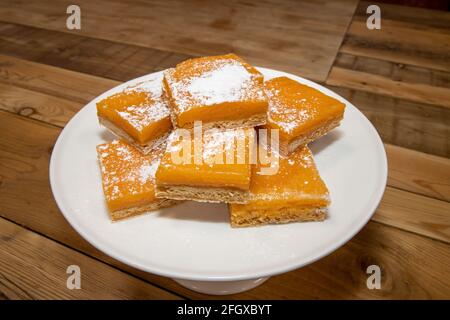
221, 287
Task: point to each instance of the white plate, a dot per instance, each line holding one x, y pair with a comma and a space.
194, 241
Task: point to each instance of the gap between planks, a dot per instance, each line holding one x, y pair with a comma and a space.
408, 35
415, 92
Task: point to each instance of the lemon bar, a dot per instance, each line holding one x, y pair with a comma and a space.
214, 167
221, 91
128, 180
139, 115
300, 113
295, 193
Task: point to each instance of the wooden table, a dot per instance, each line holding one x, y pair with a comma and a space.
398, 76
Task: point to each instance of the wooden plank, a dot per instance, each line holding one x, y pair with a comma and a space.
394, 71
72, 51
407, 263
385, 92
363, 81
403, 123
70, 85
418, 172
419, 214
36, 105
34, 267
414, 176
414, 16
299, 37
25, 148
408, 35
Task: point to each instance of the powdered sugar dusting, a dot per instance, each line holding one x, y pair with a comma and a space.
219, 143
141, 116
216, 146
288, 107
147, 172
153, 109
226, 80
140, 105
226, 83
125, 171
174, 140
153, 87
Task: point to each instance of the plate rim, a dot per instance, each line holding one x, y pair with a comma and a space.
374, 203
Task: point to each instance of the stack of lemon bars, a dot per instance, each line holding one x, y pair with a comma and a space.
211, 129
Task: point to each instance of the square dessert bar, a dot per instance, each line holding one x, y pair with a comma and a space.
128, 180
221, 91
139, 115
295, 193
212, 167
301, 113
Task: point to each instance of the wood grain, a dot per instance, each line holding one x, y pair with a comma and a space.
394, 71
403, 123
407, 262
399, 76
102, 58
418, 172
381, 85
25, 148
413, 16
58, 82
418, 214
36, 105
34, 267
411, 36
300, 36
408, 105
386, 78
